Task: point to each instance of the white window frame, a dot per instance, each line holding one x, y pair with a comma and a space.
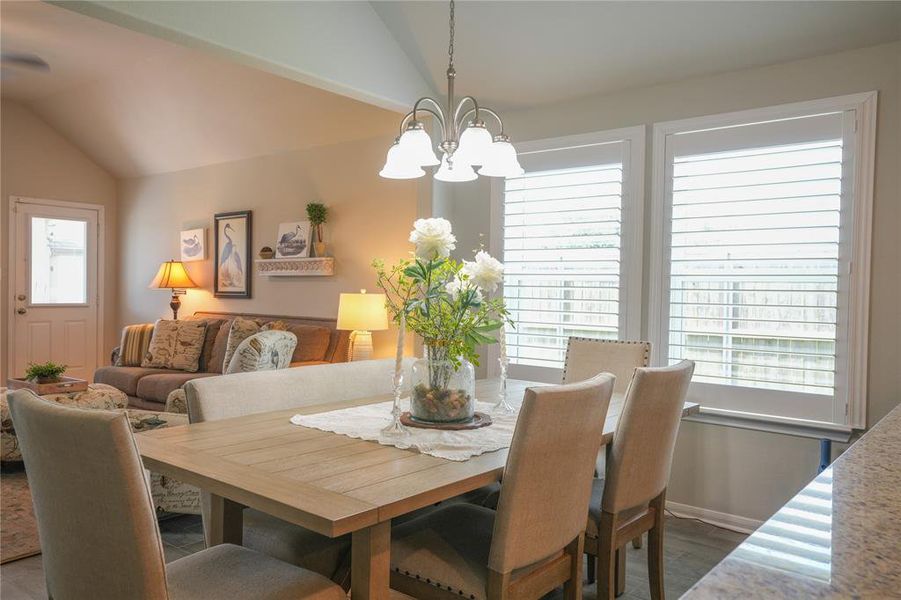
849, 409
632, 232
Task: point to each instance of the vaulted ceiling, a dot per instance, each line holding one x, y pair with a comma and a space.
150, 87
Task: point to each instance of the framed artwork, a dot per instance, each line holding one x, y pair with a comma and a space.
293, 240
193, 245
231, 276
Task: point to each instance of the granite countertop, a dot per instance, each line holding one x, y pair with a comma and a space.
840, 537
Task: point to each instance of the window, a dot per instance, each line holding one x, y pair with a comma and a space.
571, 246
58, 270
757, 236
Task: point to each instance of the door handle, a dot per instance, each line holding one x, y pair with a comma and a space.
21, 311
21, 297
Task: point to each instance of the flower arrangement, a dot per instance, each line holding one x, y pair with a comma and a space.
444, 301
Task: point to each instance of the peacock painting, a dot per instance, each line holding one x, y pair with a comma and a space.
232, 251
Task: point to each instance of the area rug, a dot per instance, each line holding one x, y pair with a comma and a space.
18, 527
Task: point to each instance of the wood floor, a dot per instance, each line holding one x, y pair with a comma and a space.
692, 548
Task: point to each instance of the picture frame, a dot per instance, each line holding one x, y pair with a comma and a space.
233, 241
293, 240
192, 244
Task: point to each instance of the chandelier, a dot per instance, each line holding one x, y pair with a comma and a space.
466, 142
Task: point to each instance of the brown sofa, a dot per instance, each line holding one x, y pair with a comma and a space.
318, 342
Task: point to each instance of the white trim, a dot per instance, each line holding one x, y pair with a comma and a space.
632, 233
856, 349
14, 202
713, 517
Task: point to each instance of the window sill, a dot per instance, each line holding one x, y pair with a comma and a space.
760, 424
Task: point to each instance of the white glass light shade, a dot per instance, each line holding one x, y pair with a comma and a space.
417, 144
502, 161
400, 165
475, 145
456, 172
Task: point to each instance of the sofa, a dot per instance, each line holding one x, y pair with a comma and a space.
318, 342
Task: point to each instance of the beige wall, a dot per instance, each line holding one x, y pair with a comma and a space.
369, 217
37, 162
726, 469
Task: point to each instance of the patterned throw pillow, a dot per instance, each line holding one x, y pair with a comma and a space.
175, 345
241, 329
264, 351
134, 344
274, 326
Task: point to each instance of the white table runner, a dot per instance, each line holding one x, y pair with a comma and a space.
366, 423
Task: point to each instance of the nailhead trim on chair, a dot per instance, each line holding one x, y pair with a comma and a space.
647, 348
434, 583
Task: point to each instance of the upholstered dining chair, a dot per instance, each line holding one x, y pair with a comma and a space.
630, 500
586, 357
97, 527
533, 543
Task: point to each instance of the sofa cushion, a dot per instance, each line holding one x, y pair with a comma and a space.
156, 388
312, 342
217, 353
176, 345
240, 330
209, 342
133, 344
126, 378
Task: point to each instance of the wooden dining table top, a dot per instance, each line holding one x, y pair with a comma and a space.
327, 482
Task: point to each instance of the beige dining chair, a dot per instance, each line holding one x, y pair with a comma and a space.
533, 543
586, 357
97, 526
630, 500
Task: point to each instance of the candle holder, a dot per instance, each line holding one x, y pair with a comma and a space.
396, 428
502, 406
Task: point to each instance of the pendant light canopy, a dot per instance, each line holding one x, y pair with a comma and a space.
466, 141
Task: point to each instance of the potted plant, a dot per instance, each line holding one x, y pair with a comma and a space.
445, 302
48, 372
318, 214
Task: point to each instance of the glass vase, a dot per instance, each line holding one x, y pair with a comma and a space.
443, 392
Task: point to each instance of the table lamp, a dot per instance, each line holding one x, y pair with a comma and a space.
362, 314
172, 276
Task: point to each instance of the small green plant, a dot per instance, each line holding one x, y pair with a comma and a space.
44, 372
318, 214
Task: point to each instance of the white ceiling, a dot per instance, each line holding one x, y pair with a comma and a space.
140, 105
519, 54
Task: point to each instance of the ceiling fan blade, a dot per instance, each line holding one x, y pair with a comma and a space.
23, 60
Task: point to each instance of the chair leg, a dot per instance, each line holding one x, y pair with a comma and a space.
606, 558
655, 549
592, 568
620, 580
572, 589
636, 543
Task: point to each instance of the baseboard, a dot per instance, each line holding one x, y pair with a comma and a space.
720, 519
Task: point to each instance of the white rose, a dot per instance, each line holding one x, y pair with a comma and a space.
486, 271
433, 238
457, 286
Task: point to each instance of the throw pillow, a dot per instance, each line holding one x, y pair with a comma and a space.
264, 351
274, 326
133, 345
240, 330
175, 345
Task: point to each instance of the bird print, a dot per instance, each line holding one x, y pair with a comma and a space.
191, 246
231, 266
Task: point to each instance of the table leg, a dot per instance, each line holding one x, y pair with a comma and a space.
371, 563
223, 522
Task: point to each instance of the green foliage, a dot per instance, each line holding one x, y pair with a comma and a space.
451, 325
47, 370
317, 214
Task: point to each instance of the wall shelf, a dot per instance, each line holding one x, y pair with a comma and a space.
296, 267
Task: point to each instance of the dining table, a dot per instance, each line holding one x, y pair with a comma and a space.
326, 482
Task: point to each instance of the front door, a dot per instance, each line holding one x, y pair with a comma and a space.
55, 300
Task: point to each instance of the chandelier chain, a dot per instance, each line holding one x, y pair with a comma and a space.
450, 45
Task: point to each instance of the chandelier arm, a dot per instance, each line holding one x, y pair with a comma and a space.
438, 115
409, 116
484, 110
458, 122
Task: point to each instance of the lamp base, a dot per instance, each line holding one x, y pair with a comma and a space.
360, 346
175, 304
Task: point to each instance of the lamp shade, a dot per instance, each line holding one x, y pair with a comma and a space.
455, 171
362, 312
400, 165
416, 144
502, 161
475, 145
172, 275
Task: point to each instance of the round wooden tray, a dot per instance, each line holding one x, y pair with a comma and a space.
478, 420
